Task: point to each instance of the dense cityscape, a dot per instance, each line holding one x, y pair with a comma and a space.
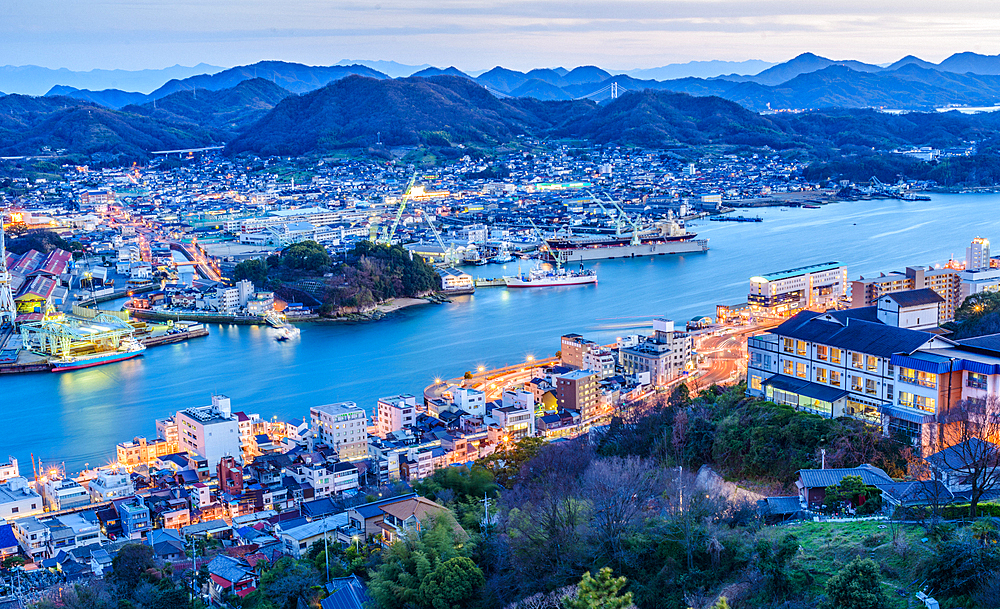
294, 334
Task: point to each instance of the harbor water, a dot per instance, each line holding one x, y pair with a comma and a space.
78, 417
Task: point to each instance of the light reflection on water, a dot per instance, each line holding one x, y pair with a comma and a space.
79, 416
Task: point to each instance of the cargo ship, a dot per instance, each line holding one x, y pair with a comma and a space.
127, 350
544, 278
666, 238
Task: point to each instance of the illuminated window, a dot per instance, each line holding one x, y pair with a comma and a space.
835, 355
800, 347
870, 386
835, 378
800, 370
787, 367
820, 375
789, 345
856, 383
916, 401
755, 382
976, 381
872, 363
822, 352
857, 361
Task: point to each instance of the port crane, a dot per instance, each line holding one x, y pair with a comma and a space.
619, 220
387, 233
622, 218
450, 257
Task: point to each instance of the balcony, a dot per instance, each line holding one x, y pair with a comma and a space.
912, 380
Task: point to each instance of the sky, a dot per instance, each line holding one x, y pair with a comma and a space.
476, 35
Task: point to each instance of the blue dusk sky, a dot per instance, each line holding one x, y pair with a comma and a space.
471, 34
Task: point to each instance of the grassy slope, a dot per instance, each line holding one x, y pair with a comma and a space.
828, 546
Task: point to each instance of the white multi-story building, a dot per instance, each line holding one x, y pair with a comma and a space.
110, 484
395, 413
227, 300
843, 363
817, 285
9, 469
601, 362
18, 499
33, 536
64, 493
211, 432
664, 356
977, 255
472, 401
343, 427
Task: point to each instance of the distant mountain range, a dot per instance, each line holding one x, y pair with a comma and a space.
273, 107
35, 80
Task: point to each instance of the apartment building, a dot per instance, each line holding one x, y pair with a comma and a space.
946, 283
343, 427
577, 390
572, 349
394, 413
664, 355
18, 499
211, 431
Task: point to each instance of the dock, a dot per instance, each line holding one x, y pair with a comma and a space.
736, 219
167, 339
496, 282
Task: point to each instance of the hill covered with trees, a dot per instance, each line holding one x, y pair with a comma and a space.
370, 275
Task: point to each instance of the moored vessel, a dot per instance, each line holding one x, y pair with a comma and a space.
127, 350
666, 238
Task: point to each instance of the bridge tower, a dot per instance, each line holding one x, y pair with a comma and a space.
614, 90
8, 310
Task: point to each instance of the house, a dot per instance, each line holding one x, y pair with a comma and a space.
958, 465
8, 542
228, 574
915, 493
363, 520
812, 483
297, 539
167, 544
346, 593
406, 516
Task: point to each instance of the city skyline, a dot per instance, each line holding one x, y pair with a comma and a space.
476, 36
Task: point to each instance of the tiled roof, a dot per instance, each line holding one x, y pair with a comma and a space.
852, 334
822, 478
915, 298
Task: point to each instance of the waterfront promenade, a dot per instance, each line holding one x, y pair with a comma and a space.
83, 414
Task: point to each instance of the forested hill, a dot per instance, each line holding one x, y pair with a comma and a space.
229, 110
359, 111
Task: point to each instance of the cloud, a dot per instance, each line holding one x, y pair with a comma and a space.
473, 34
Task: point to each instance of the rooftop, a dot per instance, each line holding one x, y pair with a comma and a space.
802, 270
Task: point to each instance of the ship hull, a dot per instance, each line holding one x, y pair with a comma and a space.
517, 282
604, 252
90, 362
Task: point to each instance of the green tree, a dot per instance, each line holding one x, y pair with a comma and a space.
129, 566
505, 464
305, 256
452, 584
857, 586
252, 270
407, 574
602, 592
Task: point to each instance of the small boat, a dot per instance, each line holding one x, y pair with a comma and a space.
281, 338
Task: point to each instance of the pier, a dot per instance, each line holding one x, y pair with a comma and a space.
736, 219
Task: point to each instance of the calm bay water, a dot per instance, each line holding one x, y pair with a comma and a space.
78, 417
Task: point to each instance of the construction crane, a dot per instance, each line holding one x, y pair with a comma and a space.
618, 220
388, 233
636, 224
448, 252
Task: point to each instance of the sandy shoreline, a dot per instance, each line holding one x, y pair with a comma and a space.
401, 303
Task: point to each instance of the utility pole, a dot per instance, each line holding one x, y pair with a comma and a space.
326, 547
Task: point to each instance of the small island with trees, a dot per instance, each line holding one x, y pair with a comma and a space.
369, 275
